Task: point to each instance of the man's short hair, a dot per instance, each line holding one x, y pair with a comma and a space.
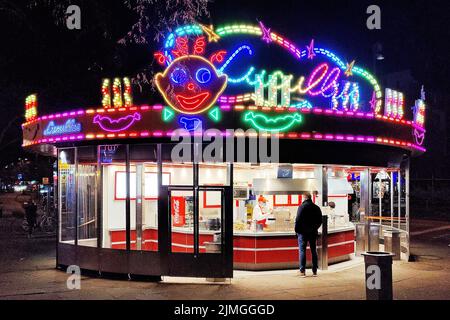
308, 195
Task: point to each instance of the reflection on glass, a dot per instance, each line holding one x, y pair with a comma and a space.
210, 221
67, 197
112, 160
182, 221
86, 194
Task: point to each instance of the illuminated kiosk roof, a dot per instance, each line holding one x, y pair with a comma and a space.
241, 77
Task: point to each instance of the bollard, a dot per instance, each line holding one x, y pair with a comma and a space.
360, 236
374, 237
323, 250
378, 269
392, 243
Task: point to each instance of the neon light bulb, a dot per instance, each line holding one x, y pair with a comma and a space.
218, 56
245, 77
327, 84
259, 89
354, 97
117, 93
106, 93
160, 58
314, 80
31, 107
419, 113
272, 99
127, 94
235, 53
388, 102
181, 46
400, 106
285, 91
199, 45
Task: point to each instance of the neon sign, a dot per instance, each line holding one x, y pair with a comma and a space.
394, 104
115, 125
70, 126
191, 84
31, 107
121, 96
419, 137
419, 112
272, 124
191, 124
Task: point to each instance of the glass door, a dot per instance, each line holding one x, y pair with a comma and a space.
195, 230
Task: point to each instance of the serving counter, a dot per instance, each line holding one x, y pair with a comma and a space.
279, 250
252, 250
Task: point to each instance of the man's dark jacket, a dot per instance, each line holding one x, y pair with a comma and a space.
309, 218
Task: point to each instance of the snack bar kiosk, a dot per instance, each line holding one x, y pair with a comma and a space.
169, 186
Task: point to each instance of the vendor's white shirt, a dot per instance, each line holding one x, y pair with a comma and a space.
258, 213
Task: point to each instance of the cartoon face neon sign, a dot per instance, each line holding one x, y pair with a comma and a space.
191, 84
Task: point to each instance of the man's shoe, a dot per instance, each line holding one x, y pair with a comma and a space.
302, 274
314, 273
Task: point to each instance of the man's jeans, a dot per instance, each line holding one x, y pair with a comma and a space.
303, 240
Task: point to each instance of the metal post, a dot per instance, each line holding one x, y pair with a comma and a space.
197, 154
399, 187
323, 258
364, 203
380, 202
407, 206
321, 175
392, 199
99, 200
369, 213
127, 201
76, 195
139, 203
324, 185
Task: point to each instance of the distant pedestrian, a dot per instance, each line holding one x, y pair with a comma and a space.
307, 223
31, 215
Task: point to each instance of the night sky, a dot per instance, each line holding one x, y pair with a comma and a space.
65, 67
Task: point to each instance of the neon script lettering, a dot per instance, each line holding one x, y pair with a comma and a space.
70, 126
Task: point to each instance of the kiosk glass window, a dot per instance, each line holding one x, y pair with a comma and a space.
143, 195
67, 195
112, 160
87, 196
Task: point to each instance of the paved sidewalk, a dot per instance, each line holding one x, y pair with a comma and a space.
27, 271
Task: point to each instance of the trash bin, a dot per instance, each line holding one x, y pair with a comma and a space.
374, 237
378, 269
392, 243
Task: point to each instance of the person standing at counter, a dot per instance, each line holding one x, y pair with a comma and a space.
307, 222
260, 213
